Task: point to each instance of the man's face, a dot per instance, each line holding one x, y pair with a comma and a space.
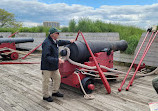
55, 35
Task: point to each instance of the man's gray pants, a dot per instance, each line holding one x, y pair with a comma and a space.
46, 75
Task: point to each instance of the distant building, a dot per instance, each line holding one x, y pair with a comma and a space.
50, 24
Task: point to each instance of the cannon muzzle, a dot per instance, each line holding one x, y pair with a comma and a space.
16, 40
80, 53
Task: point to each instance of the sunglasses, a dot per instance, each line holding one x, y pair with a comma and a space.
57, 33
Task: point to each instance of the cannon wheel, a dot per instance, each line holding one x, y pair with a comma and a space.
86, 82
14, 55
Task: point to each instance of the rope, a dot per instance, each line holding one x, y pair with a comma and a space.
104, 67
86, 96
156, 72
97, 76
91, 68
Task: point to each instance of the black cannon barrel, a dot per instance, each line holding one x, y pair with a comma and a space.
16, 40
80, 53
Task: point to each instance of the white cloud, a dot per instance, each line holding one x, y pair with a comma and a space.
34, 13
31, 24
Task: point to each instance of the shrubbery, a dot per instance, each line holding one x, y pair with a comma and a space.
129, 33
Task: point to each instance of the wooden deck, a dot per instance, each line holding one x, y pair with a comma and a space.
151, 58
20, 90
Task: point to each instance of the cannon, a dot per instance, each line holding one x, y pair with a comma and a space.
79, 54
8, 46
16, 40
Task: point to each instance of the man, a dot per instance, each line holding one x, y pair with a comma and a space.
49, 64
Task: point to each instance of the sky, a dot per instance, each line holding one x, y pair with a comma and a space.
139, 13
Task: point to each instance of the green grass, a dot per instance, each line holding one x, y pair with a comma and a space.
8, 30
129, 33
37, 29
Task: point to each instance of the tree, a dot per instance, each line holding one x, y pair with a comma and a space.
65, 29
72, 25
8, 20
85, 25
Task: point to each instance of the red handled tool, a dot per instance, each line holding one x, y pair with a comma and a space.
133, 62
142, 58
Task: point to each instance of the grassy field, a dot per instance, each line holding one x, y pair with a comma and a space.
129, 33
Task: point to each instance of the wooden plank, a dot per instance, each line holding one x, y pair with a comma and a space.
10, 102
149, 58
149, 35
5, 34
152, 55
152, 49
20, 99
31, 94
127, 97
40, 37
96, 103
26, 90
5, 107
25, 81
68, 103
120, 57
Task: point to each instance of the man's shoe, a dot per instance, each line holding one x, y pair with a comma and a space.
49, 99
58, 94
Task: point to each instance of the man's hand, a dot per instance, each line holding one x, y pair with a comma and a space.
72, 40
61, 61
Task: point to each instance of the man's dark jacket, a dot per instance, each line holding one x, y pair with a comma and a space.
49, 59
